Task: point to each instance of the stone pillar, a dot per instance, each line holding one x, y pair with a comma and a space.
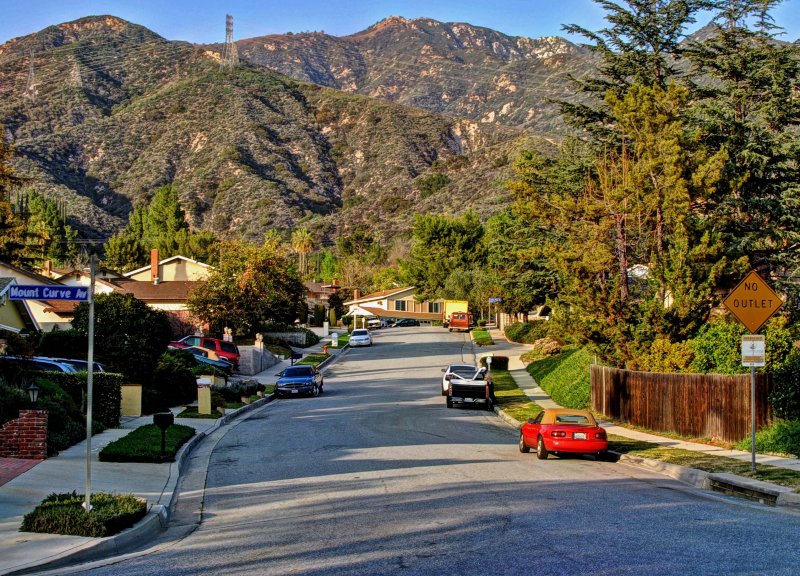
25, 437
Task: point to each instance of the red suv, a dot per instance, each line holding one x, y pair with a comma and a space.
224, 349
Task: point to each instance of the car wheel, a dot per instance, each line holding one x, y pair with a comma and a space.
524, 448
541, 451
449, 402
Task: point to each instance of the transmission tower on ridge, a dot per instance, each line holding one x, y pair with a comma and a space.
230, 57
30, 89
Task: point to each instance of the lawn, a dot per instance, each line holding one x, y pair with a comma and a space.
64, 514
144, 444
511, 399
482, 338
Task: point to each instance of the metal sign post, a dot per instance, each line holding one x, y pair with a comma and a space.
754, 353
89, 382
753, 302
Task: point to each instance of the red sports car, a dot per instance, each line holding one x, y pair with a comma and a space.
563, 430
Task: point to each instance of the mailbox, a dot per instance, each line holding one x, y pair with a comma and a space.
163, 420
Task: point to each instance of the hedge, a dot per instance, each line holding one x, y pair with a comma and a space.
64, 514
498, 362
106, 393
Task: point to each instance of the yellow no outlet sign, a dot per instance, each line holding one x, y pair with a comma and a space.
753, 302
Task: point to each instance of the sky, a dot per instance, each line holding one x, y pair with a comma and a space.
203, 21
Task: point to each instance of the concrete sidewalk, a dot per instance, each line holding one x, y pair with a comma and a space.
156, 483
531, 389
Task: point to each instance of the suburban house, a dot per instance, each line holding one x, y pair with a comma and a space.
15, 315
395, 304
319, 293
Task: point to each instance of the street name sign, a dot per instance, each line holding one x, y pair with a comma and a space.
754, 350
753, 302
495, 300
53, 292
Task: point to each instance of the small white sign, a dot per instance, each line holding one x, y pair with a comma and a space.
754, 350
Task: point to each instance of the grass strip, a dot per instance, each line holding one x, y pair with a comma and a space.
482, 338
192, 412
313, 359
64, 514
565, 377
144, 444
705, 462
511, 399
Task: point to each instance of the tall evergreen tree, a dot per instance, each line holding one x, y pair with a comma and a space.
747, 108
641, 45
11, 227
440, 245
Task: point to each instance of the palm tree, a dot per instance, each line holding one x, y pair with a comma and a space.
302, 244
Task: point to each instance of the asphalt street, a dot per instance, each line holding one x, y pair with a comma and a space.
377, 476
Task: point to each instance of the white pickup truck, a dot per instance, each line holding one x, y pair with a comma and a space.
477, 389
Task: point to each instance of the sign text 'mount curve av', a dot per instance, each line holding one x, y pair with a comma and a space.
38, 292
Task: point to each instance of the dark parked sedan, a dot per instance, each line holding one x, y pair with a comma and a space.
299, 379
407, 322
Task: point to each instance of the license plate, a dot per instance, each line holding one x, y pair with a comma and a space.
579, 435
295, 392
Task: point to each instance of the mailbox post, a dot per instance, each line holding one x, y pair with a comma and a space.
163, 420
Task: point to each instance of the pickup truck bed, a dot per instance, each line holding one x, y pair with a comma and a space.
476, 390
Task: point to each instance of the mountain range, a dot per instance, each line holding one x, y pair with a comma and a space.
309, 129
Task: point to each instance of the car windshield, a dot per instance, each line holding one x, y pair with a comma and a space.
360, 333
294, 371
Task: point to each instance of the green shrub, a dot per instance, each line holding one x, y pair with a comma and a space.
106, 393
565, 377
785, 397
666, 356
173, 382
63, 344
64, 514
783, 437
144, 444
428, 185
481, 323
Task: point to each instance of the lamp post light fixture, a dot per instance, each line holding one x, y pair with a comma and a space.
33, 394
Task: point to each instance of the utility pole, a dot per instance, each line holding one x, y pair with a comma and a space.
230, 57
30, 89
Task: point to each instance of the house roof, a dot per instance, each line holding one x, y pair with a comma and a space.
28, 274
379, 295
166, 261
169, 291
381, 313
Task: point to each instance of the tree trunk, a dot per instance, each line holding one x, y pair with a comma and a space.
622, 256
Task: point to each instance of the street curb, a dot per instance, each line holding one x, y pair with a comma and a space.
157, 518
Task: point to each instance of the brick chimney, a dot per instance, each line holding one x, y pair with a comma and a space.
154, 266
356, 294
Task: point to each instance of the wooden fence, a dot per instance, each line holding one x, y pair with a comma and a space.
695, 405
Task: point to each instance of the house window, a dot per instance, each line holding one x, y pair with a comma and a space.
433, 308
400, 305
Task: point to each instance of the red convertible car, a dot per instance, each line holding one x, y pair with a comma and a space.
563, 431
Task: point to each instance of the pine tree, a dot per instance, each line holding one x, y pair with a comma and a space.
11, 227
747, 108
